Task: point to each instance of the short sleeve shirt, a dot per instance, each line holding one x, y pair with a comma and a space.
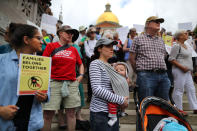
150, 52
63, 62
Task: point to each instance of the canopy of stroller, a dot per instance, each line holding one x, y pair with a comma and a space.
153, 109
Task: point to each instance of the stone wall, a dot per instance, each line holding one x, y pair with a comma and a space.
18, 11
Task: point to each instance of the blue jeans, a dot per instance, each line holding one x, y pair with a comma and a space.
153, 84
99, 122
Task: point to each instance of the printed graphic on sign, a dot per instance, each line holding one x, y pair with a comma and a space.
35, 83
34, 74
168, 40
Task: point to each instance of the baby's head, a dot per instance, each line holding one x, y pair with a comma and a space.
121, 68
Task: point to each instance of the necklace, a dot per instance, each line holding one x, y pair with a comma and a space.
183, 45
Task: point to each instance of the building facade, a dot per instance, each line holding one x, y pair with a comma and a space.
21, 11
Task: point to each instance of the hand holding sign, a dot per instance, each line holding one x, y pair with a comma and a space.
41, 97
34, 75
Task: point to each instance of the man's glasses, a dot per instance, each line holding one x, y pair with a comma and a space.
155, 21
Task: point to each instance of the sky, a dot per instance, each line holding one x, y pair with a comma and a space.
129, 12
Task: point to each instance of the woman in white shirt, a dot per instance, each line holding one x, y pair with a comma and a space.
181, 59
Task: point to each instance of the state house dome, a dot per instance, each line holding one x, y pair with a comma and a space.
108, 20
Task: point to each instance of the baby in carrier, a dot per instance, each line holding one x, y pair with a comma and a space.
122, 69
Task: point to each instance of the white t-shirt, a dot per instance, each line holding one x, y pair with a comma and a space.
89, 47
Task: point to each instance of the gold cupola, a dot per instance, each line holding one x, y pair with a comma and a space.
107, 16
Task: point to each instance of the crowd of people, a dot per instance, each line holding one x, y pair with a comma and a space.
113, 68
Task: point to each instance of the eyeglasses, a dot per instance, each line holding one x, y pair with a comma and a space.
38, 38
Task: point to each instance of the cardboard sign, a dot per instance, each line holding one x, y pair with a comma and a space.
168, 42
139, 28
34, 74
185, 26
167, 39
123, 31
49, 23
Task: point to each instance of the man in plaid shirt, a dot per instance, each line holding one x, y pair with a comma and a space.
147, 58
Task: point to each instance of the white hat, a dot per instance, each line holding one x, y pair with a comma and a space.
82, 28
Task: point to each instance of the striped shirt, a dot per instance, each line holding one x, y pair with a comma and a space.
150, 52
101, 88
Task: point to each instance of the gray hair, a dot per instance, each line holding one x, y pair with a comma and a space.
108, 34
178, 34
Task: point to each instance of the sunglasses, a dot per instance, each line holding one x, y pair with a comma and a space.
92, 32
68, 32
155, 21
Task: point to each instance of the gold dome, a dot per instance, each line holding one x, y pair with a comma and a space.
107, 16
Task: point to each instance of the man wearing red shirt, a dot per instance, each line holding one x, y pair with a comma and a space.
63, 62
64, 84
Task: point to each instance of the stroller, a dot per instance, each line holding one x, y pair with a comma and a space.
152, 110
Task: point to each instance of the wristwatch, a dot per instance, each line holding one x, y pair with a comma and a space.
81, 74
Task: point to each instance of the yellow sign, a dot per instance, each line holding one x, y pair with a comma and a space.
34, 74
168, 40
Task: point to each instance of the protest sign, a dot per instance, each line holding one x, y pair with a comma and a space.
185, 26
168, 42
34, 74
139, 28
49, 23
123, 31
